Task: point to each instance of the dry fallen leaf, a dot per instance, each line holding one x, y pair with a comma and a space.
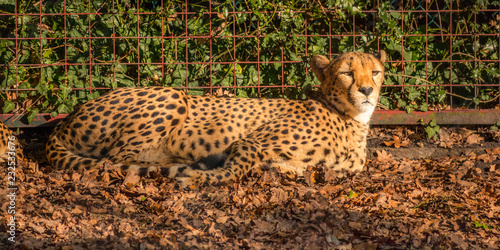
493, 151
75, 176
468, 164
408, 203
278, 195
383, 156
474, 139
263, 226
396, 142
488, 158
131, 179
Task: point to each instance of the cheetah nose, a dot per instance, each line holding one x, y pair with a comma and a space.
366, 91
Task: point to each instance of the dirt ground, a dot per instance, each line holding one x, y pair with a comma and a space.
415, 193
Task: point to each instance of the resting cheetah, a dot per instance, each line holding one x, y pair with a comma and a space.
10, 150
201, 139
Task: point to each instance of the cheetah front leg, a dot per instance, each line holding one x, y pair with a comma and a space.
244, 155
221, 168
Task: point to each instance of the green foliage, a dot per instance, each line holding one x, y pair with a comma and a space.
480, 224
352, 194
495, 126
432, 129
264, 31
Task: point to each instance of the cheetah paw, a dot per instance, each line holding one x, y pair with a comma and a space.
186, 182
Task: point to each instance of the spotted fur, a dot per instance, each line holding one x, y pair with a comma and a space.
203, 139
6, 136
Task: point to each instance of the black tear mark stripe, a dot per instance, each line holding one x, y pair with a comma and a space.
349, 92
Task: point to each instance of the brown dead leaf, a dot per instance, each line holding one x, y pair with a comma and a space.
151, 189
312, 175
221, 16
185, 224
121, 198
447, 138
488, 158
415, 204
61, 230
494, 167
468, 164
56, 215
459, 241
465, 132
269, 177
172, 18
368, 245
444, 135
77, 210
306, 191
474, 139
131, 179
447, 144
37, 228
331, 175
493, 151
278, 195
396, 142
263, 226
105, 177
75, 176
130, 209
405, 166
382, 200
328, 190
212, 230
393, 203
222, 219
31, 191
383, 156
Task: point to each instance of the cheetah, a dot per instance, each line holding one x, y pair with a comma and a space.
197, 139
10, 149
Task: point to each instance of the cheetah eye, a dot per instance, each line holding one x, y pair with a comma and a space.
347, 73
375, 73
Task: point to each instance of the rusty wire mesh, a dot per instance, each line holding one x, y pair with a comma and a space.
443, 56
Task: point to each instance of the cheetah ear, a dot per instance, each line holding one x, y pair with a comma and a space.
319, 64
381, 56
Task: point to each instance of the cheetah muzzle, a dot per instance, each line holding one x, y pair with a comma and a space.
198, 139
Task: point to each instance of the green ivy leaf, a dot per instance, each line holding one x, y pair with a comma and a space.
433, 123
65, 90
32, 114
409, 109
430, 131
413, 94
63, 109
242, 93
352, 194
93, 95
8, 106
475, 100
441, 96
424, 107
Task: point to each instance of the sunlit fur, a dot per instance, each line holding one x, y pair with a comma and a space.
198, 139
10, 149
345, 76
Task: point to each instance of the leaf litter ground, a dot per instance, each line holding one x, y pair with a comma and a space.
449, 202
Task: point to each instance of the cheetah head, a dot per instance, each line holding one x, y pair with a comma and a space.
351, 82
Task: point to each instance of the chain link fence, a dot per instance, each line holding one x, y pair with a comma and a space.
443, 56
